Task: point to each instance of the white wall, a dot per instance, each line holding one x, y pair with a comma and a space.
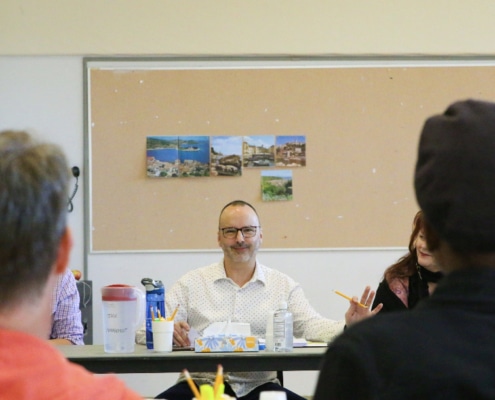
44, 95
226, 27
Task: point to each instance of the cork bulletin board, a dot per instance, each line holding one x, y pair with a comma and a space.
361, 125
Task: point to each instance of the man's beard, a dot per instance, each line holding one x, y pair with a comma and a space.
241, 257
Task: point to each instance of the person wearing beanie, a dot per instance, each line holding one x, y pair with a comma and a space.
413, 277
443, 348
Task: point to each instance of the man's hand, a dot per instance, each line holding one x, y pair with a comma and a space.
356, 312
181, 331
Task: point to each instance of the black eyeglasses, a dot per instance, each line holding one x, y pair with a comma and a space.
247, 231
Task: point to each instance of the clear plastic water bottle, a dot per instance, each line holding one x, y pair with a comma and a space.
282, 329
269, 332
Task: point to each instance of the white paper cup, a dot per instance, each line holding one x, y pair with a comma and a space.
163, 335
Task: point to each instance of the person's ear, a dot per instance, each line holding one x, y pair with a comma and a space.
64, 250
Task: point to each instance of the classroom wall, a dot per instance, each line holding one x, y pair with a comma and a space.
41, 48
360, 27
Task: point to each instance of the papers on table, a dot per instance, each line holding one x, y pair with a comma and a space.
301, 342
316, 344
307, 343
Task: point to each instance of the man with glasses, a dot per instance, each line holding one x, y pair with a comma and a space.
240, 289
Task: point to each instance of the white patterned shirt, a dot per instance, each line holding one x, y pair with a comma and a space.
207, 295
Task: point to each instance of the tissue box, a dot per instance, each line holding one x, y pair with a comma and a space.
225, 344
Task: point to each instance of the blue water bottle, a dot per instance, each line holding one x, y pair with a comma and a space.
155, 300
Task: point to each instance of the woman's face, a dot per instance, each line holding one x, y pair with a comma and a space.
425, 258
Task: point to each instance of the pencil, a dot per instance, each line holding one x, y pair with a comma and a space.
349, 298
152, 313
218, 382
159, 313
171, 318
191, 384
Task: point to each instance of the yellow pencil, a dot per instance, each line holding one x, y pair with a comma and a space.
349, 298
218, 382
191, 384
171, 318
152, 313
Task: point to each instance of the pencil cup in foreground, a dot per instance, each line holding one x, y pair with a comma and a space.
163, 335
123, 313
273, 395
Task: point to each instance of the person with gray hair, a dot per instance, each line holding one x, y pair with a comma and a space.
443, 348
35, 244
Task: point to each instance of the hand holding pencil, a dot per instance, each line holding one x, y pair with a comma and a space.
359, 310
349, 298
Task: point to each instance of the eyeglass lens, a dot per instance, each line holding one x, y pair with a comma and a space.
247, 231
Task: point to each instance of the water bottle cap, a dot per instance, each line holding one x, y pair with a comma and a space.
119, 292
282, 305
151, 284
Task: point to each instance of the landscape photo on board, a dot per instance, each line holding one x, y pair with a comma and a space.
276, 185
162, 156
258, 151
194, 156
226, 156
290, 151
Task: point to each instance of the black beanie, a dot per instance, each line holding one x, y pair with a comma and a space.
455, 175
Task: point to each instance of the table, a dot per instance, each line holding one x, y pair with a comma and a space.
94, 358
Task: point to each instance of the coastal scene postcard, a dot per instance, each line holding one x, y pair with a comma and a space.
290, 151
162, 156
194, 156
276, 185
258, 151
226, 156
